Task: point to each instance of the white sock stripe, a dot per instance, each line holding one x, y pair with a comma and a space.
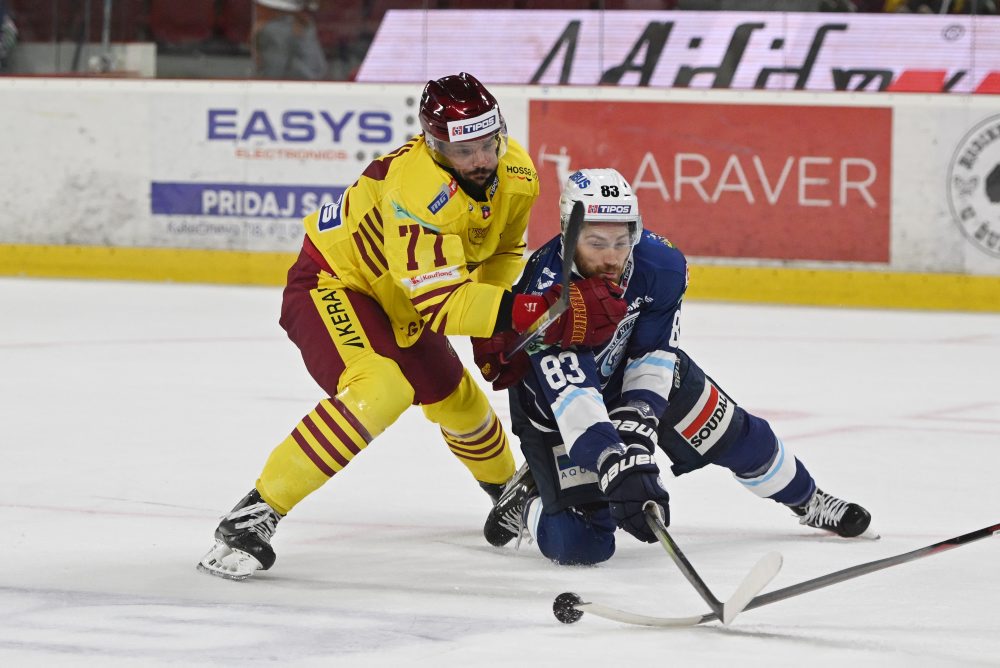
533, 515
777, 476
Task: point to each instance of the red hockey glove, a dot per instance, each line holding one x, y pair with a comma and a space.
595, 309
487, 352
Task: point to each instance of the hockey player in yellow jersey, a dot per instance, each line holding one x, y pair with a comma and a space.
425, 244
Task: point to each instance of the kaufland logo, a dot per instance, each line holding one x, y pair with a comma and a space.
609, 208
474, 127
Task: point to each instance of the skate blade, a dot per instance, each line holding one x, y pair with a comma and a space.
869, 534
224, 562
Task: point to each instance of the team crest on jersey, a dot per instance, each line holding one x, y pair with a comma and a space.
611, 356
478, 234
546, 280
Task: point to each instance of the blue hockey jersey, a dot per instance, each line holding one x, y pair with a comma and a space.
568, 393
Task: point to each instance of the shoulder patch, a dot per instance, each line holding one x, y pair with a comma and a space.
662, 239
444, 195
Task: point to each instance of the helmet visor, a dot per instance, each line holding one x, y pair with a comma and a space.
459, 154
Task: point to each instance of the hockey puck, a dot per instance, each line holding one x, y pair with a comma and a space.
564, 610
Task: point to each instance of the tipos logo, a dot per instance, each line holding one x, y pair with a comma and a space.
974, 186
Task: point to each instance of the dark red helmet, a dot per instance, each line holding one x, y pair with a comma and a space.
458, 108
453, 99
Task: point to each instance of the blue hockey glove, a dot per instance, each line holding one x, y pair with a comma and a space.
636, 424
629, 477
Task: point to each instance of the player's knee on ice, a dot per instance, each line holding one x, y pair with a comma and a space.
569, 537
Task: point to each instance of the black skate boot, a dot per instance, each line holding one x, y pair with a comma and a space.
494, 489
827, 512
243, 540
505, 521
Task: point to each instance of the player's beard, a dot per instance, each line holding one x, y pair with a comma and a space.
611, 272
473, 189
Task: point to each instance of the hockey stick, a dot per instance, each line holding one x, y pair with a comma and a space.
537, 328
568, 607
790, 591
759, 576
870, 567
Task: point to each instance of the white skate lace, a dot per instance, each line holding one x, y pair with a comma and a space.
262, 519
824, 510
513, 521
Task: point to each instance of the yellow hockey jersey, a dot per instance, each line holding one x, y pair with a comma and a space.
407, 235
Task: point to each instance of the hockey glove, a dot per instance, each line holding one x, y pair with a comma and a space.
629, 477
487, 355
595, 309
636, 424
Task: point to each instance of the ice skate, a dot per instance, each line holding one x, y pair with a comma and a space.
827, 512
493, 489
505, 521
243, 540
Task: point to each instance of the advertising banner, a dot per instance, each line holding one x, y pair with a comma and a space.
737, 50
241, 172
886, 183
737, 180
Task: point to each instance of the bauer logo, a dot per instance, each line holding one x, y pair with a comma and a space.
974, 186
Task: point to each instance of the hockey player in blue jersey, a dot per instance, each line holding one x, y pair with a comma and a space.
590, 419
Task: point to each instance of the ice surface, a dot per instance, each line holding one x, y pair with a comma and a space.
133, 415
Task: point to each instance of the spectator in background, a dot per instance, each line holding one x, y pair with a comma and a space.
284, 42
8, 34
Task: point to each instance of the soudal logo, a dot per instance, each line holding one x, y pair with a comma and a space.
707, 420
609, 208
